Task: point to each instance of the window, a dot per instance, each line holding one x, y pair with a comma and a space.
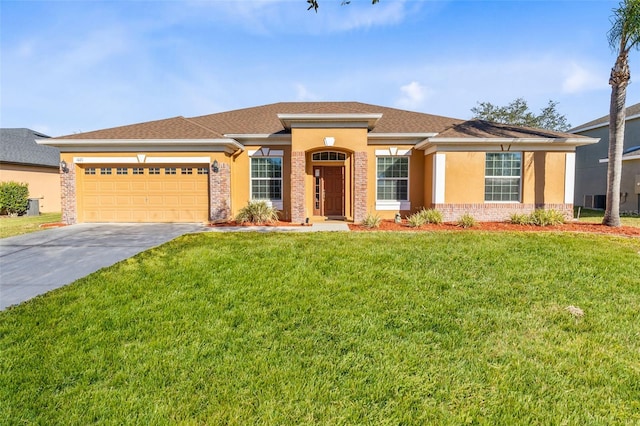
266, 178
105, 171
393, 178
186, 171
138, 171
203, 170
154, 170
170, 171
90, 171
502, 176
329, 156
122, 171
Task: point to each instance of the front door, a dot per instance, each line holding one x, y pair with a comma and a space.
329, 191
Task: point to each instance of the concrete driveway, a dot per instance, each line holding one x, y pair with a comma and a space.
35, 263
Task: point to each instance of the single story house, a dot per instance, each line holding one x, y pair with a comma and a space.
592, 163
313, 161
22, 160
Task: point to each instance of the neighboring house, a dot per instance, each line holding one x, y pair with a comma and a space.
23, 160
314, 160
592, 163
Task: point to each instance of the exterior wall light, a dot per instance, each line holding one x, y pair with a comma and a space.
63, 166
329, 141
214, 166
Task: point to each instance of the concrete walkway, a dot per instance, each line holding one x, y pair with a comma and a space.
315, 227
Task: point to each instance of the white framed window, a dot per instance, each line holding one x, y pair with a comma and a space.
90, 171
328, 156
122, 171
392, 183
503, 177
266, 180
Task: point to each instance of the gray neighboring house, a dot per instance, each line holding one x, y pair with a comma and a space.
23, 160
592, 163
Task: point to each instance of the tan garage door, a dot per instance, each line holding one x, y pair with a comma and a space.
144, 194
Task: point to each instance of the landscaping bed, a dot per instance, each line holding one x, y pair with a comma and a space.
595, 228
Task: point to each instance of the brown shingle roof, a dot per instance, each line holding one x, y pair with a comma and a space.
264, 120
170, 128
486, 129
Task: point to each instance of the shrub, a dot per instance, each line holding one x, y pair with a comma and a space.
542, 217
371, 221
520, 219
425, 216
257, 212
416, 220
466, 221
14, 198
432, 216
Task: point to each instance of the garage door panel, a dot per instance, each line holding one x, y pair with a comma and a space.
145, 197
171, 185
139, 186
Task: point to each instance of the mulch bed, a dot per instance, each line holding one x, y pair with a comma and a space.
595, 228
52, 225
234, 223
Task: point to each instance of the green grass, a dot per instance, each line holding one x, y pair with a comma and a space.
595, 216
10, 226
326, 328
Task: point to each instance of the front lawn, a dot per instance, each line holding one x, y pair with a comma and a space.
596, 216
10, 226
331, 328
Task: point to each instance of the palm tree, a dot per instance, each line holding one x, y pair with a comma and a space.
623, 36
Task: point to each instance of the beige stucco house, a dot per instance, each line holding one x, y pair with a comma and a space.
314, 160
22, 160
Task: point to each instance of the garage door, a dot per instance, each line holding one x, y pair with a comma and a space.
144, 194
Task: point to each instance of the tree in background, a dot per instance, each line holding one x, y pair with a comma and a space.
517, 113
623, 36
313, 4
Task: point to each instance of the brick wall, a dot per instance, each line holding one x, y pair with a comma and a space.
68, 195
360, 186
298, 175
496, 212
220, 192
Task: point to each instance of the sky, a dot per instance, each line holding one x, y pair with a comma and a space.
75, 66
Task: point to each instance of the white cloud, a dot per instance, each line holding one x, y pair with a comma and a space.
580, 79
303, 94
413, 95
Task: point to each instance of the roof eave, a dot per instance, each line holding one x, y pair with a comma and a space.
228, 145
329, 120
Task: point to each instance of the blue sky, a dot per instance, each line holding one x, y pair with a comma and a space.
73, 66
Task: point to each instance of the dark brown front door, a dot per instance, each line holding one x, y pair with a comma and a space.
329, 190
333, 191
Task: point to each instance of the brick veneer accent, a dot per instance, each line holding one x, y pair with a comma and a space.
298, 175
68, 195
360, 186
496, 212
220, 192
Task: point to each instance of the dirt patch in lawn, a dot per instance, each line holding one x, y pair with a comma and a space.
595, 228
